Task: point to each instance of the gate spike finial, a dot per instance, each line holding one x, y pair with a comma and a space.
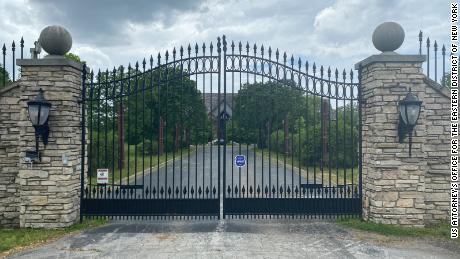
443, 49
329, 72
344, 74
269, 51
314, 68
299, 63
22, 42
420, 36
204, 48
262, 50
292, 60
137, 66
13, 46
240, 46
321, 70
277, 54
247, 47
428, 42
435, 46
284, 57
4, 49
336, 74
255, 49
151, 61
143, 64
218, 45
233, 45
159, 58
129, 69
196, 48
306, 66
167, 56
351, 74
114, 72
174, 53
189, 49
224, 43
181, 51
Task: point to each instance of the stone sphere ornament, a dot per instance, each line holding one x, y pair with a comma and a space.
55, 40
388, 36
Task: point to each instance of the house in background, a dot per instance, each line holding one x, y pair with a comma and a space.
216, 109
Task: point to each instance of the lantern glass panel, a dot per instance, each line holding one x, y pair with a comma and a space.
33, 113
45, 110
412, 113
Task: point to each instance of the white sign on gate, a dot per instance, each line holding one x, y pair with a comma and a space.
102, 176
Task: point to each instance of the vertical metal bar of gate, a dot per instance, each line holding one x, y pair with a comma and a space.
219, 67
83, 138
360, 136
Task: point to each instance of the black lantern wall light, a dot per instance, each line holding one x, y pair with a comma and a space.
39, 110
409, 112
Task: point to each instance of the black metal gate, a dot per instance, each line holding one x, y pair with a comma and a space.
299, 128
162, 137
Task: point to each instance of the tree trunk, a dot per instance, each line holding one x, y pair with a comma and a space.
286, 135
161, 144
121, 136
176, 145
325, 132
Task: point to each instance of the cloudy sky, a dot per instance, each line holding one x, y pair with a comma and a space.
108, 33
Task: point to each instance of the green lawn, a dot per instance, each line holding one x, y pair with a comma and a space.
439, 231
139, 160
23, 237
337, 174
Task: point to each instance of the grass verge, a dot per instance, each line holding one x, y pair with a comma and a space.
138, 164
441, 230
337, 175
18, 238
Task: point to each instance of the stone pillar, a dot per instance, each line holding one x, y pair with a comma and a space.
395, 185
393, 182
50, 189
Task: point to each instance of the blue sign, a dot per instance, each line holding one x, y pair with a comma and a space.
240, 160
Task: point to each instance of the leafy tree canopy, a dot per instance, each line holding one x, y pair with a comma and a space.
74, 57
4, 75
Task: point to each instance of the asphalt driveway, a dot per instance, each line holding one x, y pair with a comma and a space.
233, 239
199, 169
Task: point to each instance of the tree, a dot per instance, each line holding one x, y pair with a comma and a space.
4, 77
263, 107
446, 80
141, 99
74, 57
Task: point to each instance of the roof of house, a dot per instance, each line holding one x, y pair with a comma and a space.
210, 100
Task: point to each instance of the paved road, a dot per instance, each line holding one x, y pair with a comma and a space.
200, 168
235, 239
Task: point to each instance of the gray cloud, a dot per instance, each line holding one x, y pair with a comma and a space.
105, 21
331, 32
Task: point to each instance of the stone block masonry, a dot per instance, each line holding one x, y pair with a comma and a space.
9, 157
398, 189
47, 194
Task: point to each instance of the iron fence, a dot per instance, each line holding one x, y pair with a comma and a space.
435, 54
9, 64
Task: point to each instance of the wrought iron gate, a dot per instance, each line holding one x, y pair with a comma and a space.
167, 131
